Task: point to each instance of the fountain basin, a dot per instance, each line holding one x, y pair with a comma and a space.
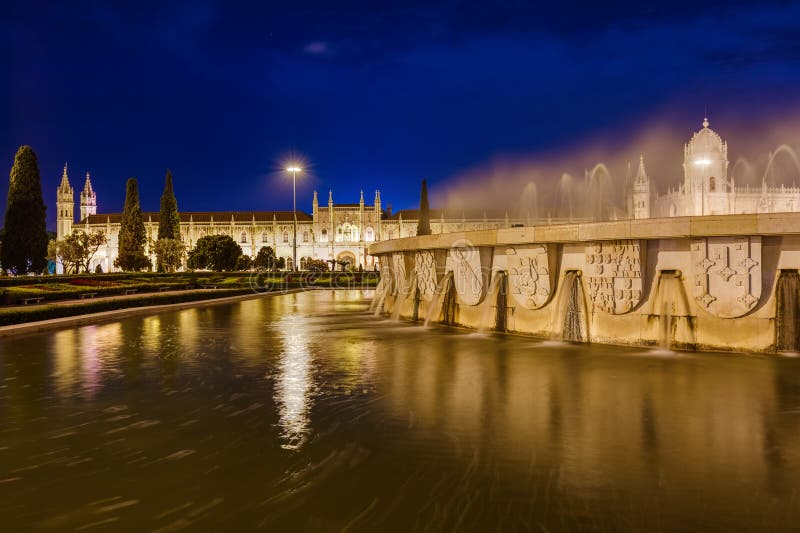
723, 271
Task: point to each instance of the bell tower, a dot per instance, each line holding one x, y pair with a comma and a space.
65, 205
641, 192
88, 199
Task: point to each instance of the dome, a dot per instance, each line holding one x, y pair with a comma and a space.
706, 144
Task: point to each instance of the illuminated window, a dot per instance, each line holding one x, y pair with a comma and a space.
305, 237
264, 237
324, 236
244, 237
369, 235
285, 236
712, 184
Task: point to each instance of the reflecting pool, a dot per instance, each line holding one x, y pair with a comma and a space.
304, 412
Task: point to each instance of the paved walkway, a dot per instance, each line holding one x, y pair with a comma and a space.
133, 296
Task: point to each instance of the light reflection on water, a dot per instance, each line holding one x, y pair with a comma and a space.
292, 391
304, 412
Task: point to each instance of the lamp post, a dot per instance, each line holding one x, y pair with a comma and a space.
294, 170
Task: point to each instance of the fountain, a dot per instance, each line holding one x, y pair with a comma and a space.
381, 292
502, 302
449, 301
598, 190
782, 149
565, 196
435, 306
491, 304
529, 203
407, 286
787, 312
574, 327
671, 308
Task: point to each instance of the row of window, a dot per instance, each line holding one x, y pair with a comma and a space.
344, 233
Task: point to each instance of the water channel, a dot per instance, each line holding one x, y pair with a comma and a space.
305, 412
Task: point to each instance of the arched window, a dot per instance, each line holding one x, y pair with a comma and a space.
712, 184
391, 234
264, 237
369, 235
285, 236
289, 263
323, 236
305, 238
244, 236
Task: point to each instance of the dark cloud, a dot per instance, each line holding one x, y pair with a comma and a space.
375, 94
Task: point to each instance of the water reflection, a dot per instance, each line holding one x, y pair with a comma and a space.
304, 412
293, 382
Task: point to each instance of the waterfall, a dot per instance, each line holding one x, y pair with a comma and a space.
449, 301
435, 307
575, 328
668, 293
380, 298
787, 312
494, 306
502, 302
406, 288
489, 305
379, 291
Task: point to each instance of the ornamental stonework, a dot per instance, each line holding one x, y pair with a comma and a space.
529, 277
399, 272
615, 275
468, 272
425, 267
726, 274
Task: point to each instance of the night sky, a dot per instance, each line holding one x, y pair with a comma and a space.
368, 94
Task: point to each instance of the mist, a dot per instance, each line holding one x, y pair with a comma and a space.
587, 179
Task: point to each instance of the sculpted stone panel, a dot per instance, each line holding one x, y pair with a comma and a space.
425, 266
470, 267
399, 271
727, 274
529, 278
615, 275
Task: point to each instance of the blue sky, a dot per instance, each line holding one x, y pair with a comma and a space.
370, 95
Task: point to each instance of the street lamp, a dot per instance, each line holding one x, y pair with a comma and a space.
294, 170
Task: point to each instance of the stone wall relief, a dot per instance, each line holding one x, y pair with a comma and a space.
529, 275
614, 277
471, 267
425, 267
727, 274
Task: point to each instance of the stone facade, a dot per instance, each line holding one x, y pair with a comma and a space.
707, 187
705, 282
331, 231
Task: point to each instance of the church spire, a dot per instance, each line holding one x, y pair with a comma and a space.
641, 174
65, 186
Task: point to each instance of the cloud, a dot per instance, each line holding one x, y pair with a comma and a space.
317, 48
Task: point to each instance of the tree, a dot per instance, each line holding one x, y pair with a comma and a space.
265, 259
78, 248
25, 241
245, 262
169, 221
424, 224
215, 252
132, 236
169, 254
316, 265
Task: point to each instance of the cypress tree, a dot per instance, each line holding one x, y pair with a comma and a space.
25, 242
169, 221
132, 235
424, 225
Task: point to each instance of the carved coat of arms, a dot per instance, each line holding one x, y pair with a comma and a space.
468, 273
529, 279
727, 274
615, 275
